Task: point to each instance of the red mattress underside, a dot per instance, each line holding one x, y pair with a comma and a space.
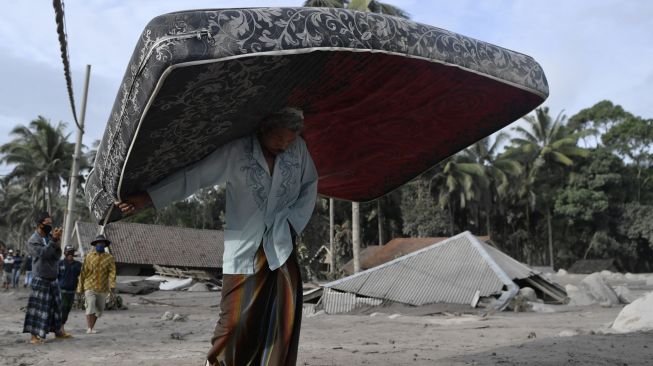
373, 126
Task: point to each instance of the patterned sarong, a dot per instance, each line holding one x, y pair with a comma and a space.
260, 316
43, 308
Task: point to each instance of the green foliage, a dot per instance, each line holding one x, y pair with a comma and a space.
41, 158
596, 202
580, 204
637, 223
422, 216
599, 118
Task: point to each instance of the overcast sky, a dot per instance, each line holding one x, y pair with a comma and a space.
590, 50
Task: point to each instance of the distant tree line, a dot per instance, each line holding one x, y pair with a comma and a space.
550, 190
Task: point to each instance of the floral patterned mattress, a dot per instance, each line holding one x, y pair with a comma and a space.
384, 98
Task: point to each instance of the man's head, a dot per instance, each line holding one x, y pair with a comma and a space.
280, 129
69, 252
100, 243
43, 223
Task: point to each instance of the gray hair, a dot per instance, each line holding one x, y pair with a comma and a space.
290, 118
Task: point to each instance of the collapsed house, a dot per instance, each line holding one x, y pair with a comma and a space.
457, 273
376, 255
138, 248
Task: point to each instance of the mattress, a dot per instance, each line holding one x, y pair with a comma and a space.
384, 98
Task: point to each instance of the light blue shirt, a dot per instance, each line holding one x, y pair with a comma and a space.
260, 207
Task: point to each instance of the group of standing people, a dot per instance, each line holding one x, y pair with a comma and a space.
13, 265
56, 280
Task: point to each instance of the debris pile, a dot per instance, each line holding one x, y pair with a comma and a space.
636, 317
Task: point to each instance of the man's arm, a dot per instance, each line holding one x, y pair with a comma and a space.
112, 274
212, 170
302, 209
61, 269
39, 249
82, 276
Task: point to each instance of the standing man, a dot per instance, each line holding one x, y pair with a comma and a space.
44, 305
15, 274
69, 270
7, 269
27, 268
97, 279
271, 186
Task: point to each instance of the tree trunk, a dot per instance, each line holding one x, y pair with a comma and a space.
488, 229
331, 237
639, 183
379, 218
48, 195
356, 235
529, 254
451, 223
548, 224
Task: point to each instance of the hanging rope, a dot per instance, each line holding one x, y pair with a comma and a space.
63, 42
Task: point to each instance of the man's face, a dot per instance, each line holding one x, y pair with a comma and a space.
69, 256
47, 221
278, 139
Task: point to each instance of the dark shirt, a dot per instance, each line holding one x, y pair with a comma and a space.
8, 264
27, 264
18, 260
45, 257
69, 274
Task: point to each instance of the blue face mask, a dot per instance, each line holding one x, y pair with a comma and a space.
99, 248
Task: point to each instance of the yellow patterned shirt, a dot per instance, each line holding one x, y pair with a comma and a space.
98, 273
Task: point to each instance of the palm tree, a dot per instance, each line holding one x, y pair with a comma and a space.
41, 157
497, 169
546, 145
464, 182
18, 212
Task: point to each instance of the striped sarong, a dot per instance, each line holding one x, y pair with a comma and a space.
260, 316
43, 308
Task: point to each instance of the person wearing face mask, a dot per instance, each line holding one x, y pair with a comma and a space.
69, 270
43, 313
97, 279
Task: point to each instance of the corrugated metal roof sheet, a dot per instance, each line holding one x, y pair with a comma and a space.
334, 302
513, 268
155, 244
376, 255
451, 271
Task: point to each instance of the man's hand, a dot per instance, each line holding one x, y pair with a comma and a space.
56, 233
134, 203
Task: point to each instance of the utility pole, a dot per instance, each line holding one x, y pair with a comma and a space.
69, 214
356, 235
331, 236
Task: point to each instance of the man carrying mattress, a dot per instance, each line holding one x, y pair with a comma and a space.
271, 185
